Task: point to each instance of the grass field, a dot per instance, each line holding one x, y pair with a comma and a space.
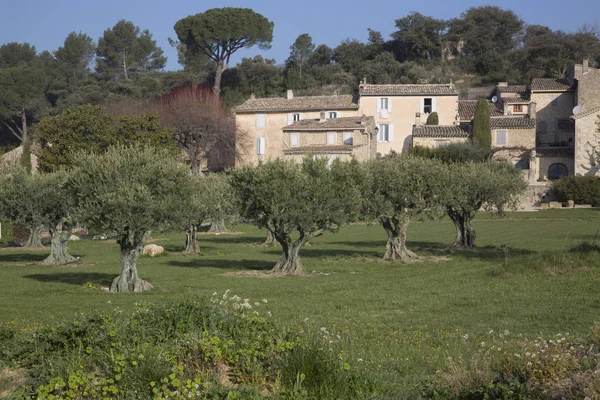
397, 322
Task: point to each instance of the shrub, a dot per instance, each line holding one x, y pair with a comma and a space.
581, 189
433, 119
455, 152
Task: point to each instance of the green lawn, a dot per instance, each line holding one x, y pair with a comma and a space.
402, 321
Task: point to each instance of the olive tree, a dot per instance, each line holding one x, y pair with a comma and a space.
398, 189
210, 199
130, 191
492, 186
297, 202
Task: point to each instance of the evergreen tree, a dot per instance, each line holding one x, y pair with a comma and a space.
482, 131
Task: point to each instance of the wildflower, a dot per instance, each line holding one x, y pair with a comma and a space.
359, 359
490, 332
214, 294
269, 313
256, 303
465, 336
482, 344
264, 301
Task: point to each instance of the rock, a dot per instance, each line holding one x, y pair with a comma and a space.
555, 204
583, 206
153, 250
545, 206
74, 238
100, 237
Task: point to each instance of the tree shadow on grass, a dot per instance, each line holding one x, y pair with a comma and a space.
239, 239
179, 247
258, 265
74, 278
19, 257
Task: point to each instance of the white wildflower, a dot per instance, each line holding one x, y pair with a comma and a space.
264, 301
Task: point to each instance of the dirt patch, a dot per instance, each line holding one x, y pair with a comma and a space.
11, 380
420, 259
269, 274
219, 233
23, 249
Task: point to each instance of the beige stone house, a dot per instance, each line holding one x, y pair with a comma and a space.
343, 138
263, 120
587, 119
394, 108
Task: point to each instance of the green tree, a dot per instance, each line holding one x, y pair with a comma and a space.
308, 198
124, 48
130, 191
301, 51
398, 189
482, 131
15, 54
492, 186
433, 119
220, 32
418, 37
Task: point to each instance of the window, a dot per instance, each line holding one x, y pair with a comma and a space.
333, 114
260, 120
384, 133
294, 118
297, 117
554, 101
557, 170
293, 140
348, 138
427, 106
501, 137
384, 103
441, 143
331, 138
518, 108
260, 146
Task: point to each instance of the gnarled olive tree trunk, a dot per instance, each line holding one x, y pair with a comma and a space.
465, 233
218, 226
270, 240
191, 244
129, 281
395, 248
289, 262
35, 238
59, 236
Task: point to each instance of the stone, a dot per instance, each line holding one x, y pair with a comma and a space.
555, 204
583, 206
74, 238
545, 206
153, 250
100, 237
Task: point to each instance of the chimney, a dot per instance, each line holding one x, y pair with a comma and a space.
252, 96
532, 111
323, 119
418, 119
290, 94
585, 66
363, 120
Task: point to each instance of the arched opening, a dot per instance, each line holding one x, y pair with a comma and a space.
557, 170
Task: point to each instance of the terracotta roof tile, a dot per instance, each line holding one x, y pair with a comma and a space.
466, 109
514, 122
441, 131
515, 100
319, 149
512, 89
408, 90
585, 113
300, 103
331, 124
550, 85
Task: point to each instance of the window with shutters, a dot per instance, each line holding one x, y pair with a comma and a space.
296, 118
333, 114
384, 133
348, 138
260, 146
501, 137
517, 107
427, 105
331, 138
260, 120
384, 103
294, 140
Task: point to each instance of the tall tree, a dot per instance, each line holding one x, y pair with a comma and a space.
130, 191
482, 131
126, 49
220, 32
15, 54
470, 187
418, 37
301, 51
76, 54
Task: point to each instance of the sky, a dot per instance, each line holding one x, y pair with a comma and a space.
45, 24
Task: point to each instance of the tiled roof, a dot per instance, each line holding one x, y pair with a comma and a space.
585, 113
301, 103
514, 122
466, 109
512, 89
554, 152
319, 149
331, 124
441, 131
408, 90
515, 100
550, 85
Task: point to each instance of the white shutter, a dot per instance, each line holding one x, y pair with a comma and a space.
294, 140
391, 133
300, 116
290, 119
260, 120
389, 104
422, 107
379, 104
262, 145
330, 137
258, 145
433, 107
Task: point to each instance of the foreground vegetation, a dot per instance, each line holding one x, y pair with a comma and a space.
398, 324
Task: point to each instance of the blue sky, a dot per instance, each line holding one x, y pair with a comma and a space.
46, 24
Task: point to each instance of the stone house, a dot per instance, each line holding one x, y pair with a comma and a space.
343, 138
263, 120
587, 119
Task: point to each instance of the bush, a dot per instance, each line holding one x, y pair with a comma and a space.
581, 189
433, 119
453, 153
225, 348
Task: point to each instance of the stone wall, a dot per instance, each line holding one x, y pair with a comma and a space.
587, 137
431, 142
548, 114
